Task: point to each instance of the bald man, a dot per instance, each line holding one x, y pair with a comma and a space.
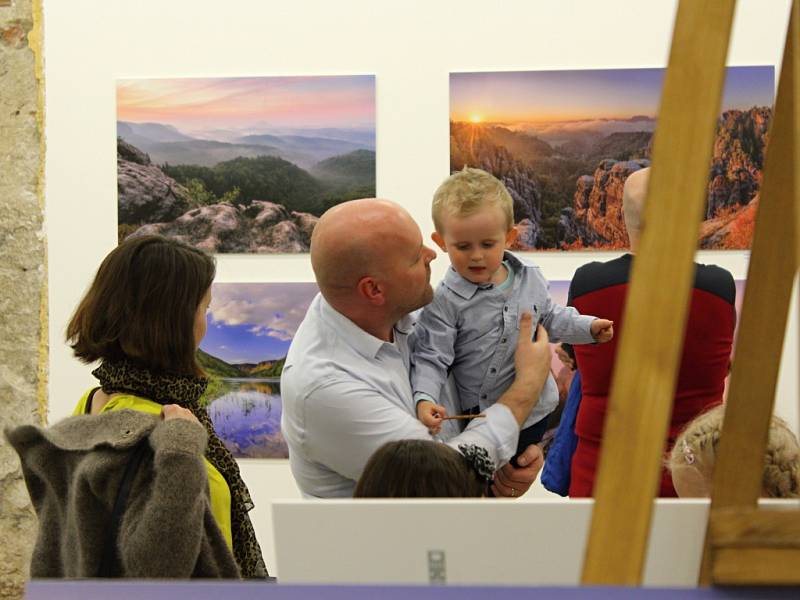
345, 385
600, 288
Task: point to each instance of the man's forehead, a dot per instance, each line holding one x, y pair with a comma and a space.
404, 244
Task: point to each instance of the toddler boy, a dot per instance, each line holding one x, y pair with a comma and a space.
471, 327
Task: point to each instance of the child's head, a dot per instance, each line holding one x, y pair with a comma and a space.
424, 469
694, 454
474, 218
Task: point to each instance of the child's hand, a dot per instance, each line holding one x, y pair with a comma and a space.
430, 415
565, 358
602, 330
173, 411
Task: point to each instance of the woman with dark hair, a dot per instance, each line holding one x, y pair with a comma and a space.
183, 511
426, 469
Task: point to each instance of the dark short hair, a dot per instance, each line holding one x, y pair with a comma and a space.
418, 469
142, 304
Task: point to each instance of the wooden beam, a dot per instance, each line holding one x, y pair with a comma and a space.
793, 51
773, 264
757, 566
655, 318
751, 527
754, 376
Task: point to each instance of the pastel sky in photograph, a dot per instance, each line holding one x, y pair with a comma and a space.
247, 102
536, 96
253, 322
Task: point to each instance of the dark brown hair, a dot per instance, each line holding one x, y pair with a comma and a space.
142, 304
418, 469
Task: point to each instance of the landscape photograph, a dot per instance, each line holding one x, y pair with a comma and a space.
250, 328
563, 143
241, 165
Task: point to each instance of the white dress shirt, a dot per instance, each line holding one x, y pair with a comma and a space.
345, 393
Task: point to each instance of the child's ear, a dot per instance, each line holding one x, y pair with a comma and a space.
511, 236
438, 240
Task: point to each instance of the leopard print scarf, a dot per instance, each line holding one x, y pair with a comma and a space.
123, 376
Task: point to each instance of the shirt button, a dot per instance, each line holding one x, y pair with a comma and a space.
503, 341
492, 370
483, 396
505, 308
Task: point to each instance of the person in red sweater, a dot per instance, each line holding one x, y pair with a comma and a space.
600, 288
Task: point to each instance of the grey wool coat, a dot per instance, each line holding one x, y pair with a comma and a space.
73, 471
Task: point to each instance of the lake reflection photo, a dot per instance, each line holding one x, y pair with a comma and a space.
250, 327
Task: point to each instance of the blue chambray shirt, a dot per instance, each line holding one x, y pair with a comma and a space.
471, 330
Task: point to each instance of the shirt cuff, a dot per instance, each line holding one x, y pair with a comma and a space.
585, 324
420, 396
498, 433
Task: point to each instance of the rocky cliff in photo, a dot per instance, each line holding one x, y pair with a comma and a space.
737, 159
596, 218
263, 204
144, 191
261, 227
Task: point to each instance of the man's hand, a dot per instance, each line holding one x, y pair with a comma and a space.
602, 330
430, 415
512, 482
532, 364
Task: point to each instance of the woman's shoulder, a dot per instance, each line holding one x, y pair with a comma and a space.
120, 401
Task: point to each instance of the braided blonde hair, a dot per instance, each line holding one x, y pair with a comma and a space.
696, 446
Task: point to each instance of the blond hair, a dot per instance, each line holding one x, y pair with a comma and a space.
466, 192
696, 446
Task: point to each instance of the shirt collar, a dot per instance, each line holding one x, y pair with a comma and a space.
466, 289
364, 343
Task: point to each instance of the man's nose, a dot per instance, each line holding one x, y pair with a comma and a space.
431, 253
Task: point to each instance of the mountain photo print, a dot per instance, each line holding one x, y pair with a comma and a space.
241, 165
249, 329
563, 143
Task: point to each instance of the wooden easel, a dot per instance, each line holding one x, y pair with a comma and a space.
744, 545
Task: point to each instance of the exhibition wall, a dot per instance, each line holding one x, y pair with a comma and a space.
410, 47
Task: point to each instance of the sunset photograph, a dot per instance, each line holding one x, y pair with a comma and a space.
563, 143
241, 164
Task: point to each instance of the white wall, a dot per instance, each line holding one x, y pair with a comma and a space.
410, 46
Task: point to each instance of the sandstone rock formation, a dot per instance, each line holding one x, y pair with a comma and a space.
737, 159
144, 192
730, 231
596, 217
261, 227
528, 233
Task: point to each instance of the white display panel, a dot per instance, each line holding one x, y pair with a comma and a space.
537, 542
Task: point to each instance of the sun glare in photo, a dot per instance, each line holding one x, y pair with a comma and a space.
475, 118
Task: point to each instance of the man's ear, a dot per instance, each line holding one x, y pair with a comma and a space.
511, 236
438, 240
371, 291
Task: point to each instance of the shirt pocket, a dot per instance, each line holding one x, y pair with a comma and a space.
534, 308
